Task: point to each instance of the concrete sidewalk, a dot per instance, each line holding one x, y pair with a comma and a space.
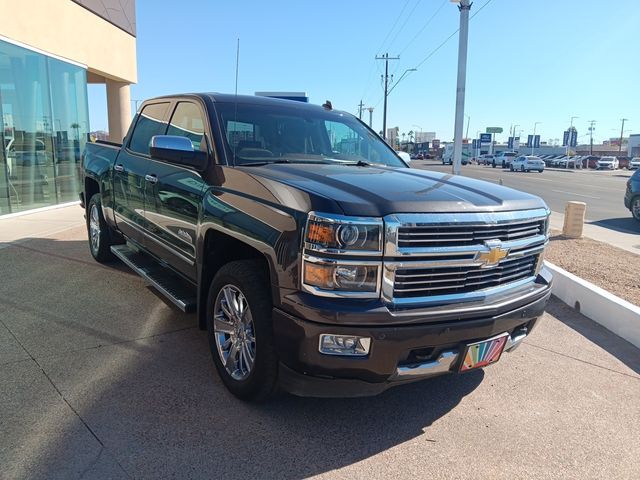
39, 224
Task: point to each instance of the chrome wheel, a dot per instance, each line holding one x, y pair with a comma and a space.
635, 208
234, 332
94, 227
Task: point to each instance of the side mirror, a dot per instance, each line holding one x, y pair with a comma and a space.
178, 150
405, 156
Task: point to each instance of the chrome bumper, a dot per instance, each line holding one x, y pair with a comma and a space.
445, 361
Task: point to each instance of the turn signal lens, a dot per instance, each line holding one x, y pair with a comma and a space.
335, 277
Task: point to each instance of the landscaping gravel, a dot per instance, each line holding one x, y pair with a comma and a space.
611, 268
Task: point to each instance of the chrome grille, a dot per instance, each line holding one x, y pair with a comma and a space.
444, 258
449, 235
449, 280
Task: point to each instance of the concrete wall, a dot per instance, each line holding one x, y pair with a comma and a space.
67, 29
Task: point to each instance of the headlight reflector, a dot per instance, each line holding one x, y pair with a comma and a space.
340, 234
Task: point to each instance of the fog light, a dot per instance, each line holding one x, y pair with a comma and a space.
344, 345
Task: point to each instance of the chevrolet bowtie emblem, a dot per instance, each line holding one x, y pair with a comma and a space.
493, 256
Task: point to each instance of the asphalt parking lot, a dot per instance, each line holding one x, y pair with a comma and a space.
100, 378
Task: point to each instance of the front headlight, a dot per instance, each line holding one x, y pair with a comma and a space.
328, 242
341, 234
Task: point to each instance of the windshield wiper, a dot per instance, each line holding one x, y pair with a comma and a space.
260, 164
359, 163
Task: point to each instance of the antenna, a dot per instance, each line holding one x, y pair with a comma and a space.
235, 99
237, 63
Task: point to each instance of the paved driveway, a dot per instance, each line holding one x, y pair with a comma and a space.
99, 378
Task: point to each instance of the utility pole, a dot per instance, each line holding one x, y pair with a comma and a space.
360, 108
386, 59
466, 135
370, 117
622, 132
464, 7
591, 129
570, 132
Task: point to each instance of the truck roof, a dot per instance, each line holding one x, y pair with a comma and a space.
242, 99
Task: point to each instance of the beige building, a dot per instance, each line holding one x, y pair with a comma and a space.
49, 51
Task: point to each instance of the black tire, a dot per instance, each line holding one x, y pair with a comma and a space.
511, 168
98, 231
504, 165
260, 383
493, 164
635, 208
540, 171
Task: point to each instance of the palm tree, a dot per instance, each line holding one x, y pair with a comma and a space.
411, 135
403, 135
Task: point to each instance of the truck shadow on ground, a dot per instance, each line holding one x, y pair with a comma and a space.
144, 387
616, 346
623, 224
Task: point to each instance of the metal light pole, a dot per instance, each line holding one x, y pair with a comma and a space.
370, 109
591, 129
622, 132
464, 6
534, 135
513, 145
466, 135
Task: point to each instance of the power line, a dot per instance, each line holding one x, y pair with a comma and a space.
424, 26
434, 51
405, 22
394, 25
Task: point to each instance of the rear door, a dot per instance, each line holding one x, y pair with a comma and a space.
130, 171
174, 196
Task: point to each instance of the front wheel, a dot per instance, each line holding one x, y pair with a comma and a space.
240, 330
540, 171
98, 230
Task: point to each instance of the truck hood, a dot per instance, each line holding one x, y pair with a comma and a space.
378, 191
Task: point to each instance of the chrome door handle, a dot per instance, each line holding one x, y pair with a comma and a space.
151, 178
119, 168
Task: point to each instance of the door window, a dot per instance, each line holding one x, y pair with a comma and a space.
187, 121
150, 122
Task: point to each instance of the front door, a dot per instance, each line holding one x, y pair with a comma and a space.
174, 196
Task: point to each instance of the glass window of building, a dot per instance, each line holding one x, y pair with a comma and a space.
44, 123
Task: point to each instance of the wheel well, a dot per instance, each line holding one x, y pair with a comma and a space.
220, 249
91, 187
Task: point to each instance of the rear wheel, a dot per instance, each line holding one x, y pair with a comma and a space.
240, 330
98, 230
522, 168
511, 168
635, 208
540, 171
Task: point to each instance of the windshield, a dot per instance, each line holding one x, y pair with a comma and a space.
258, 134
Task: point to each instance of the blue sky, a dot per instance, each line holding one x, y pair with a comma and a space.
537, 61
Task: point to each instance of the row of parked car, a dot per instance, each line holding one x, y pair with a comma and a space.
505, 159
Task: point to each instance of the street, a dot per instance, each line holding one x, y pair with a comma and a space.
102, 379
602, 191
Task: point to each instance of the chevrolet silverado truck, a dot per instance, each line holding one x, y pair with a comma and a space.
317, 261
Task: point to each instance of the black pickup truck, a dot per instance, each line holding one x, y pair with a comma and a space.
315, 258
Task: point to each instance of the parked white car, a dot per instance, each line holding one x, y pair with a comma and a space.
526, 163
634, 163
505, 158
608, 163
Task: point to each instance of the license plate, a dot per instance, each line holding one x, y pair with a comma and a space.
481, 354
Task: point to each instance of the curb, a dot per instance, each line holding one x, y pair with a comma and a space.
612, 312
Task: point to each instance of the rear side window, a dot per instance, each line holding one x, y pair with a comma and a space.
187, 121
150, 122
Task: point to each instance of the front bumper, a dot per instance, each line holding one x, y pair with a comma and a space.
399, 354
